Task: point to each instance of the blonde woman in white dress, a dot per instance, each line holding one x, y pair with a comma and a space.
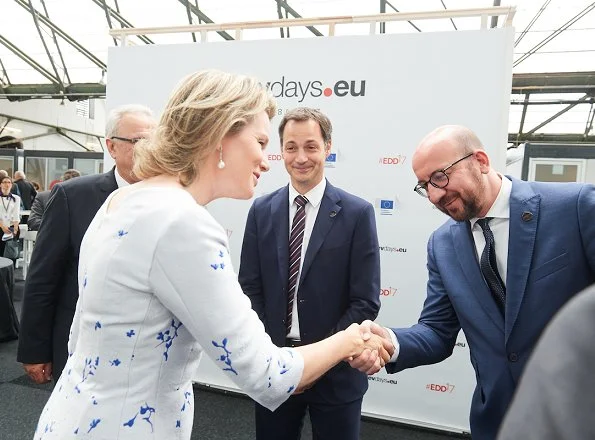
157, 287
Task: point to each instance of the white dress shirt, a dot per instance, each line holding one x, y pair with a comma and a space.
314, 197
500, 213
500, 226
119, 179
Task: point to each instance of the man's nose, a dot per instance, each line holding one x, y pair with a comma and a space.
301, 155
435, 194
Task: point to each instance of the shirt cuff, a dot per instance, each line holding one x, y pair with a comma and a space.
393, 338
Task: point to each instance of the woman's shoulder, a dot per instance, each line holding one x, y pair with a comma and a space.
173, 204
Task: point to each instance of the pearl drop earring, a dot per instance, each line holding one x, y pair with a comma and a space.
221, 164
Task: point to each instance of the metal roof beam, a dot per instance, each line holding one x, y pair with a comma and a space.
70, 138
26, 58
560, 113
522, 124
64, 35
590, 118
122, 20
42, 124
189, 14
408, 21
72, 92
554, 34
293, 12
204, 18
55, 40
109, 20
557, 82
45, 46
578, 138
4, 80
532, 22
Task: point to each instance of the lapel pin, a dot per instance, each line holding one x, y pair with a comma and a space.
333, 213
526, 216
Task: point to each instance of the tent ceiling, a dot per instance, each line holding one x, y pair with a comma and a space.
58, 48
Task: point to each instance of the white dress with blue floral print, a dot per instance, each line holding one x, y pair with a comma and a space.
156, 289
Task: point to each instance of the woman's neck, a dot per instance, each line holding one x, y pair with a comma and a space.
197, 191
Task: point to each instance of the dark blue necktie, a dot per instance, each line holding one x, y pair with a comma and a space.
488, 265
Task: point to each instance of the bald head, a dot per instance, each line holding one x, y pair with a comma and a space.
455, 138
452, 166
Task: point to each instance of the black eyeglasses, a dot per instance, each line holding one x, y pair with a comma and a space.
438, 179
133, 141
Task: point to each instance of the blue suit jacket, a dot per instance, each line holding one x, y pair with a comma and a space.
339, 283
551, 257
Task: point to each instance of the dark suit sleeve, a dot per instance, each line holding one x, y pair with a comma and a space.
249, 273
433, 338
33, 191
36, 215
364, 282
43, 281
586, 216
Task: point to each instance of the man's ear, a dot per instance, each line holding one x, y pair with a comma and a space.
111, 148
328, 148
484, 161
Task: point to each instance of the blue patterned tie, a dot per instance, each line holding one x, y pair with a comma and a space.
296, 239
488, 265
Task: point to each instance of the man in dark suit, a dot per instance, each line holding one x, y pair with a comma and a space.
511, 255
24, 189
41, 200
51, 288
312, 278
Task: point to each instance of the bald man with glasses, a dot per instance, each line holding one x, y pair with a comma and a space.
510, 256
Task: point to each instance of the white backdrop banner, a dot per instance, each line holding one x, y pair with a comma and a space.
383, 93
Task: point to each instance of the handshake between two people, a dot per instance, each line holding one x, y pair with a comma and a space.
366, 346
376, 347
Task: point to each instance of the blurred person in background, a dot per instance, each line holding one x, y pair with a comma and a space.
10, 215
41, 200
24, 189
555, 398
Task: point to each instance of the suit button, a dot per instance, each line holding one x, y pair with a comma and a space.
513, 357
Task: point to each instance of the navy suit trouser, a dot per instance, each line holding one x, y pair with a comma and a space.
329, 422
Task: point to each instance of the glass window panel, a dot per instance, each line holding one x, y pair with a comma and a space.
35, 170
7, 164
88, 166
555, 173
47, 171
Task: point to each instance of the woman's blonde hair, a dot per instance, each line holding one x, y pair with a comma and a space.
204, 108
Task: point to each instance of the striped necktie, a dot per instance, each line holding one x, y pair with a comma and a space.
296, 239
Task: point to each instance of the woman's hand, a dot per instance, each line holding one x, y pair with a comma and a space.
362, 339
